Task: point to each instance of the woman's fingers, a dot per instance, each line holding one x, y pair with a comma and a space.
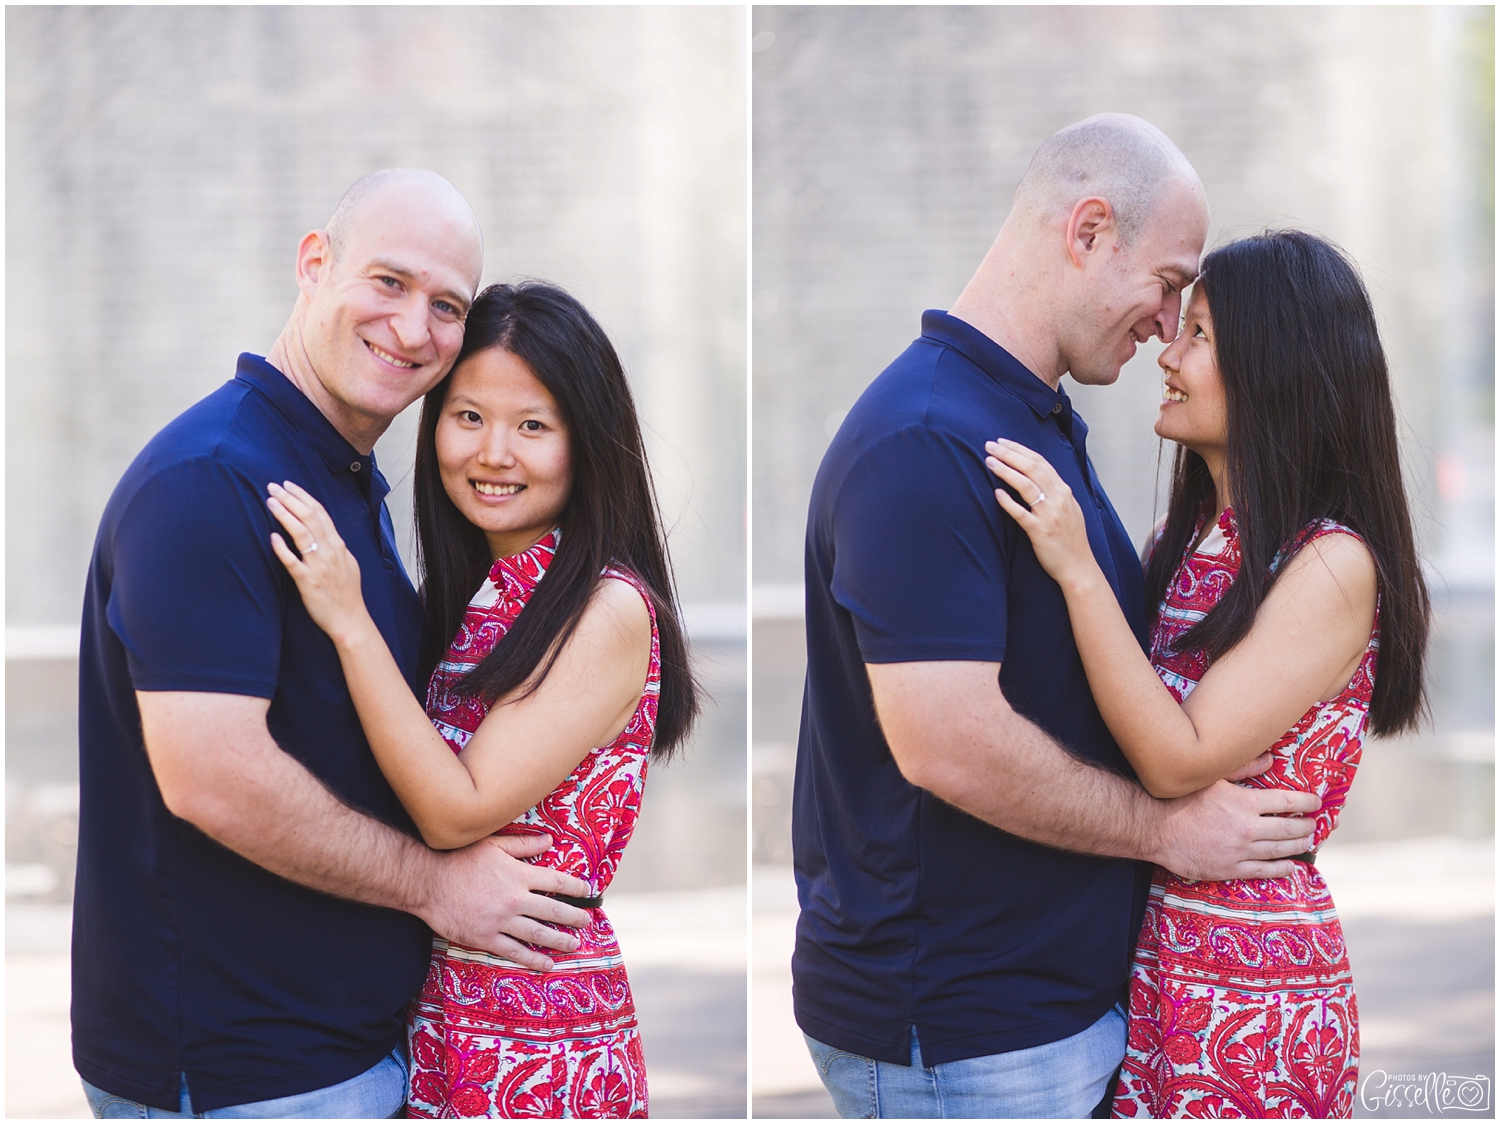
284, 552
308, 511
1037, 468
1030, 490
1012, 508
295, 528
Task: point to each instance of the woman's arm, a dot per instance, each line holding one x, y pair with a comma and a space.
1306, 642
523, 748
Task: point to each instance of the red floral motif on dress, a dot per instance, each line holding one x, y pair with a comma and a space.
1241, 1000
488, 1037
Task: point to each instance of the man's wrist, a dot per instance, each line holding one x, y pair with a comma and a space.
1155, 828
422, 879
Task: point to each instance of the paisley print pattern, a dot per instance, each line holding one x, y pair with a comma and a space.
489, 1037
1241, 999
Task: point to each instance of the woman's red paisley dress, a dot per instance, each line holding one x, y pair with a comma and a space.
489, 1037
1241, 1000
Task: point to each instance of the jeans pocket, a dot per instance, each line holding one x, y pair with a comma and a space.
110, 1107
849, 1079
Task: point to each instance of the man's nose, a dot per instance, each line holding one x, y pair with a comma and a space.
410, 323
1169, 318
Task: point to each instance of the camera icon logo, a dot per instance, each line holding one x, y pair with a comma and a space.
1467, 1094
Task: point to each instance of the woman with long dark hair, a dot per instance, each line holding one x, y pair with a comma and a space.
550, 687
1291, 615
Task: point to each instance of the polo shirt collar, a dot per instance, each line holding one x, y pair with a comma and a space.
998, 364
308, 420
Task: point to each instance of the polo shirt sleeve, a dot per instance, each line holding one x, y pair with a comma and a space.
922, 550
197, 594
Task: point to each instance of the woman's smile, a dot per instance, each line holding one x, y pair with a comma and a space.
502, 451
496, 491
1192, 411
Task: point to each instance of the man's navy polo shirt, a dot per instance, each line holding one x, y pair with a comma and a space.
915, 914
188, 959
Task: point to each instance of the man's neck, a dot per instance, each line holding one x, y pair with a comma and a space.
997, 302
289, 357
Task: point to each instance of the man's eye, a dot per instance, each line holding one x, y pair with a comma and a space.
390, 282
445, 307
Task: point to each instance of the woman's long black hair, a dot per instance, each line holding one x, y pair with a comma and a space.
1311, 435
611, 517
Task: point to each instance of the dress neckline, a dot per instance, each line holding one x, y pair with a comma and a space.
1220, 538
526, 569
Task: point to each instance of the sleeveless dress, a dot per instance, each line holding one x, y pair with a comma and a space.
487, 1036
1241, 999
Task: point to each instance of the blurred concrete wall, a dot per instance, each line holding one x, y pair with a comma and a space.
886, 144
162, 164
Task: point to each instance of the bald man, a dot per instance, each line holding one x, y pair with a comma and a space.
965, 830
253, 909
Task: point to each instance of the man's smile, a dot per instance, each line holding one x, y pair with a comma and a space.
389, 358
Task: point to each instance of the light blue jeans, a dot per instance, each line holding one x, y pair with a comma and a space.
1059, 1079
378, 1093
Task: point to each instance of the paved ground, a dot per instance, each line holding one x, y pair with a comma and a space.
686, 953
1419, 918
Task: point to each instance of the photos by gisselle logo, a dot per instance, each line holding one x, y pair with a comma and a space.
1433, 1092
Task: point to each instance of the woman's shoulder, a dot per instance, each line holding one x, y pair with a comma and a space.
1328, 540
621, 603
1333, 559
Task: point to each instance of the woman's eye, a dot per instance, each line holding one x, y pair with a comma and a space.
531, 425
1198, 331
470, 416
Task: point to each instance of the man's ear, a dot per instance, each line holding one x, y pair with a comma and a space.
1091, 226
314, 260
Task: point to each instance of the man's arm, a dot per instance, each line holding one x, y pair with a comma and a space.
952, 732
219, 768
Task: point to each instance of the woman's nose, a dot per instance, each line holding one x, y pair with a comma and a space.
496, 451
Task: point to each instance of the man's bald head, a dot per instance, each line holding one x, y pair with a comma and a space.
431, 189
385, 288
1115, 156
1105, 234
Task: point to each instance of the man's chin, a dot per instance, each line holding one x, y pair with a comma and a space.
1097, 376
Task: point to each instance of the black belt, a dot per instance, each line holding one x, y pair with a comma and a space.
579, 903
